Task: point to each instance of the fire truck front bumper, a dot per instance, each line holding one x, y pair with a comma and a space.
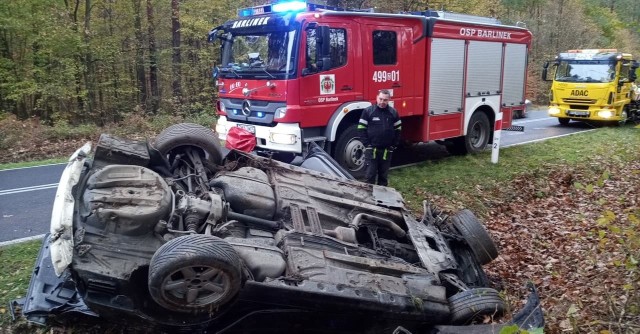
284, 137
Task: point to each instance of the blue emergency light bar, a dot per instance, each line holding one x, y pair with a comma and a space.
287, 6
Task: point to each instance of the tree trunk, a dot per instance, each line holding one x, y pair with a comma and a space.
90, 73
153, 60
140, 73
175, 39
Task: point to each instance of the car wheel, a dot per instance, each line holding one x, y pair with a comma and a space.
194, 273
189, 134
564, 121
349, 152
476, 236
473, 304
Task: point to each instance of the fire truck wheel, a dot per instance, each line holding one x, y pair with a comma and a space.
564, 121
349, 152
477, 137
181, 135
478, 133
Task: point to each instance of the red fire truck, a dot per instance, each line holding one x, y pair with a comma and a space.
294, 73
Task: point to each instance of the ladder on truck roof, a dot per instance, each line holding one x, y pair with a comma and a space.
457, 16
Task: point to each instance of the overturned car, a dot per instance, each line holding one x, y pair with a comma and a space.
174, 236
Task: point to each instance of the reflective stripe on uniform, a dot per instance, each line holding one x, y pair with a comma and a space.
363, 124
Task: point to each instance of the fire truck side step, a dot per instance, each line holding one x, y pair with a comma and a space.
315, 139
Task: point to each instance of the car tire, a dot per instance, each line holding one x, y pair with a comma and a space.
473, 304
564, 121
476, 236
477, 138
349, 152
189, 134
194, 274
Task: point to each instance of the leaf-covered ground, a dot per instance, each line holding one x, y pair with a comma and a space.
575, 235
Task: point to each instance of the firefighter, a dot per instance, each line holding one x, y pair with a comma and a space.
379, 130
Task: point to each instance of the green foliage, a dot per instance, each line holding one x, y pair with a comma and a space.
17, 263
63, 130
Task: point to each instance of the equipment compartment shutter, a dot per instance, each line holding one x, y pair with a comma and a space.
484, 68
515, 65
446, 75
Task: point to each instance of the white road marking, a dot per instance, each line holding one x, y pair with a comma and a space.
4, 170
25, 189
533, 120
543, 139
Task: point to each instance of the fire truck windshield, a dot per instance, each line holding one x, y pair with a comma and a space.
258, 55
586, 71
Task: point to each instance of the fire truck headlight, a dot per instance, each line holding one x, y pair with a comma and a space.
554, 110
280, 112
282, 138
221, 108
605, 113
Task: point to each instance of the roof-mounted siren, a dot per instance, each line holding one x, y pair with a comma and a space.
291, 7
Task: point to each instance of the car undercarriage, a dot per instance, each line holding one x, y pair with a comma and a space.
172, 235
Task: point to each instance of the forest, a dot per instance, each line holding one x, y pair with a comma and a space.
99, 62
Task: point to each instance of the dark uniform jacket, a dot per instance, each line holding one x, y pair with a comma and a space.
380, 128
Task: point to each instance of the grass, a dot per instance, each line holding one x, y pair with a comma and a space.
464, 181
32, 163
17, 263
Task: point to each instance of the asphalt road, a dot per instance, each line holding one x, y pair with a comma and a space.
26, 194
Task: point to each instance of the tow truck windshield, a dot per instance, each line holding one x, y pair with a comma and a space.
259, 55
586, 71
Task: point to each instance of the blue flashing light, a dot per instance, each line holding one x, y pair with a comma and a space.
259, 114
245, 12
290, 6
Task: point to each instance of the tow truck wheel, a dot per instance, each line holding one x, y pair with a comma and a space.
194, 273
624, 116
564, 121
476, 236
473, 304
189, 134
349, 152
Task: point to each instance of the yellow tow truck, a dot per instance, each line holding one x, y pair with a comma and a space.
592, 85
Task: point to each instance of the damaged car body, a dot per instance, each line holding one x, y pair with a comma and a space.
173, 235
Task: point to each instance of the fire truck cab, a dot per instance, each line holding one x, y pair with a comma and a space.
294, 73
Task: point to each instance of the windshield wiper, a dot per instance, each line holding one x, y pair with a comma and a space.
265, 71
230, 69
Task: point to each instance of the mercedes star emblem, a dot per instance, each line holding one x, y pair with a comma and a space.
246, 108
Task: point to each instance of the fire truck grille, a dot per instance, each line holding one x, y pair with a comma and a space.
580, 101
